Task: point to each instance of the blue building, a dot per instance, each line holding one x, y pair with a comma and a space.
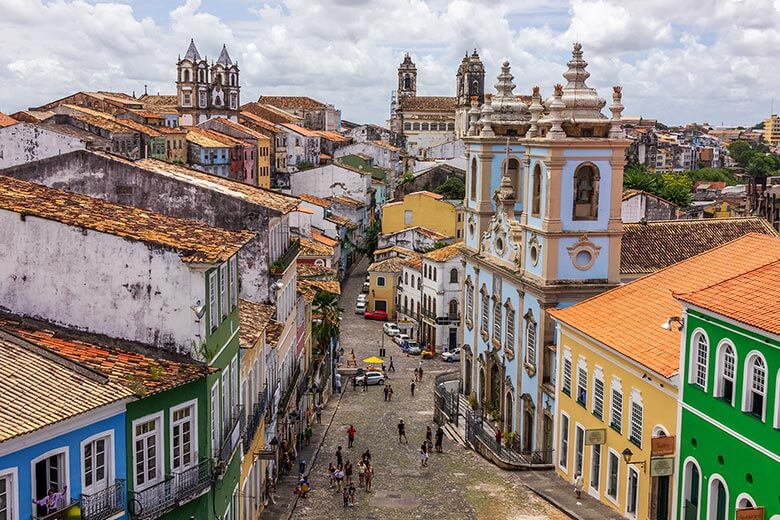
542, 230
209, 151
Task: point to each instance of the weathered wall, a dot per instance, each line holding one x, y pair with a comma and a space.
448, 150
332, 180
117, 181
24, 142
429, 180
98, 282
383, 157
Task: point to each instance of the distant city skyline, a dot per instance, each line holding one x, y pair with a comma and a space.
677, 62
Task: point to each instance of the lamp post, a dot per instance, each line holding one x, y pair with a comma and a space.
627, 454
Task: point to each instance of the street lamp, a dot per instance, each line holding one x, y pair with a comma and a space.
667, 325
627, 454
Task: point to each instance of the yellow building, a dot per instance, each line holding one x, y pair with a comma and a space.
772, 129
617, 381
423, 209
383, 283
254, 319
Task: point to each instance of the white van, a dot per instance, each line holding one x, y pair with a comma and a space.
360, 308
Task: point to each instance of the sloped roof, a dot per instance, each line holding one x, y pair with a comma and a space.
291, 102
224, 57
197, 242
317, 201
341, 221
402, 251
348, 201
314, 248
386, 146
413, 261
38, 391
158, 102
253, 319
241, 128
390, 265
752, 298
628, 318
333, 136
211, 138
630, 193
192, 53
648, 247
315, 271
270, 113
265, 124
300, 130
323, 239
445, 253
331, 286
428, 103
6, 120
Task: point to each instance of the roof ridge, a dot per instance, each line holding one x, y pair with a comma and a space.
714, 284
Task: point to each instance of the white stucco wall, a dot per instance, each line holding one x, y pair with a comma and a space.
448, 150
25, 142
383, 158
331, 180
443, 292
99, 283
633, 209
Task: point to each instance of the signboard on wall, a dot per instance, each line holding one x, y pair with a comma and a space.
662, 466
750, 513
661, 446
597, 436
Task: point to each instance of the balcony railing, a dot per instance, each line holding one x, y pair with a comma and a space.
291, 386
152, 502
280, 265
446, 319
64, 512
104, 503
253, 421
191, 482
232, 435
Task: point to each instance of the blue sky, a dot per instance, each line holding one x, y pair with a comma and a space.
709, 61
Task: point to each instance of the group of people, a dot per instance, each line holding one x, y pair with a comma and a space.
425, 447
388, 390
340, 474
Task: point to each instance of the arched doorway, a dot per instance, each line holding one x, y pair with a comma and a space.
495, 386
718, 500
468, 366
509, 404
482, 385
528, 422
661, 494
691, 491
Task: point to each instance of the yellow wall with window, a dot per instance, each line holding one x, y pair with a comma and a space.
383, 289
422, 208
657, 397
264, 162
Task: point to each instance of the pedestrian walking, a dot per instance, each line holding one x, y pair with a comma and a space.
498, 438
354, 383
428, 437
387, 391
416, 372
352, 495
361, 469
402, 432
365, 383
423, 455
340, 478
307, 433
331, 474
391, 368
420, 371
369, 477
578, 485
383, 368
366, 456
339, 458
345, 496
318, 413
351, 436
348, 472
411, 387
302, 467
390, 393
439, 438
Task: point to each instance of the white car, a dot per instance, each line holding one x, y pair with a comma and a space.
366, 287
451, 355
360, 307
371, 378
400, 338
391, 329
362, 297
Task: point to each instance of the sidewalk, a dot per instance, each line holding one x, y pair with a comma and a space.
548, 485
286, 499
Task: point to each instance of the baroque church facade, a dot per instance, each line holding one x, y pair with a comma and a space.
542, 230
205, 91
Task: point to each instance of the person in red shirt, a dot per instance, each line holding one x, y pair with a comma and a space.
351, 435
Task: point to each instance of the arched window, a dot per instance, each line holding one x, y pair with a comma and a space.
691, 490
497, 321
453, 275
726, 368
186, 75
453, 309
469, 300
754, 398
416, 126
406, 278
777, 401
474, 178
485, 314
530, 340
407, 126
718, 500
475, 88
424, 127
699, 350
513, 171
201, 77
745, 501
232, 80
407, 82
586, 191
536, 190
406, 303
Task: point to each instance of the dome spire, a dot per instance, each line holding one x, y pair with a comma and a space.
224, 57
192, 53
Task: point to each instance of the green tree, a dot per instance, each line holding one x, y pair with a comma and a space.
676, 187
372, 238
326, 324
741, 152
712, 175
761, 165
636, 177
452, 189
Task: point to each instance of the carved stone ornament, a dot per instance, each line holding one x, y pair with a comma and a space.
583, 253
534, 249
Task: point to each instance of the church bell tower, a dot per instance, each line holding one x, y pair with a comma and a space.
407, 78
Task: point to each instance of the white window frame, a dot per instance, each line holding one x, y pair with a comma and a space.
408, 217
214, 416
235, 399
563, 438
566, 372
510, 329
712, 505
223, 307
380, 281
497, 319
720, 370
616, 388
747, 383
577, 429
686, 484
636, 401
11, 476
213, 309
65, 451
469, 300
595, 491
630, 470
484, 326
225, 402
618, 458
193, 420
110, 470
697, 375
530, 340
582, 381
777, 401
233, 273
159, 451
598, 392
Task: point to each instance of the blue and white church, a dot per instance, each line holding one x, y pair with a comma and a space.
542, 230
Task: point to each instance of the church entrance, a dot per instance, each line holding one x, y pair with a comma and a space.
495, 386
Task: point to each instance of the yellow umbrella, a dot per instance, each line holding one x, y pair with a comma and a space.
373, 360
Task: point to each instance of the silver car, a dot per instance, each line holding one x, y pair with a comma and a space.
370, 378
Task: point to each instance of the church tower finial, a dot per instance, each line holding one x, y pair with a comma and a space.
407, 77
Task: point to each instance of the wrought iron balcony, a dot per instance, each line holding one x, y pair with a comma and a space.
67, 508
291, 386
190, 483
279, 266
104, 503
253, 421
152, 502
232, 435
450, 318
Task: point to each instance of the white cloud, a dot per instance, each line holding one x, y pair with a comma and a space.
678, 61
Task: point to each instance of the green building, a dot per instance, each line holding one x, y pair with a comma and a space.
729, 427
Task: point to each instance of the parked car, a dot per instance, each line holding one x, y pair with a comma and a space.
360, 307
428, 353
400, 338
406, 345
391, 329
376, 315
362, 297
366, 287
451, 355
414, 349
370, 378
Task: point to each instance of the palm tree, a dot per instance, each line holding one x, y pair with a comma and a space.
327, 320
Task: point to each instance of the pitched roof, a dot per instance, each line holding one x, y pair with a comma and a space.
648, 247
273, 333
323, 239
347, 201
630, 193
254, 119
241, 128
224, 57
401, 251
315, 271
6, 120
158, 102
102, 122
341, 221
386, 146
331, 286
271, 113
752, 298
628, 318
333, 136
445, 253
428, 103
300, 130
139, 368
314, 248
317, 201
413, 261
38, 391
305, 289
291, 102
211, 139
192, 53
390, 265
197, 242
253, 319
426, 193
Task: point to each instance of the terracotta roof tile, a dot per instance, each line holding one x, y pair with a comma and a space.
444, 253
628, 318
413, 261
315, 271
314, 248
270, 113
248, 118
273, 333
6, 120
646, 248
317, 201
253, 319
305, 289
319, 237
159, 102
385, 145
390, 265
291, 102
241, 128
398, 250
300, 130
752, 298
331, 286
198, 243
347, 201
427, 103
341, 221
211, 139
333, 136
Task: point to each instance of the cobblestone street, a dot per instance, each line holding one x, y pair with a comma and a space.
457, 484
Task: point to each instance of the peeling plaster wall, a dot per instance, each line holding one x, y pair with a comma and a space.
98, 176
23, 142
99, 283
332, 180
